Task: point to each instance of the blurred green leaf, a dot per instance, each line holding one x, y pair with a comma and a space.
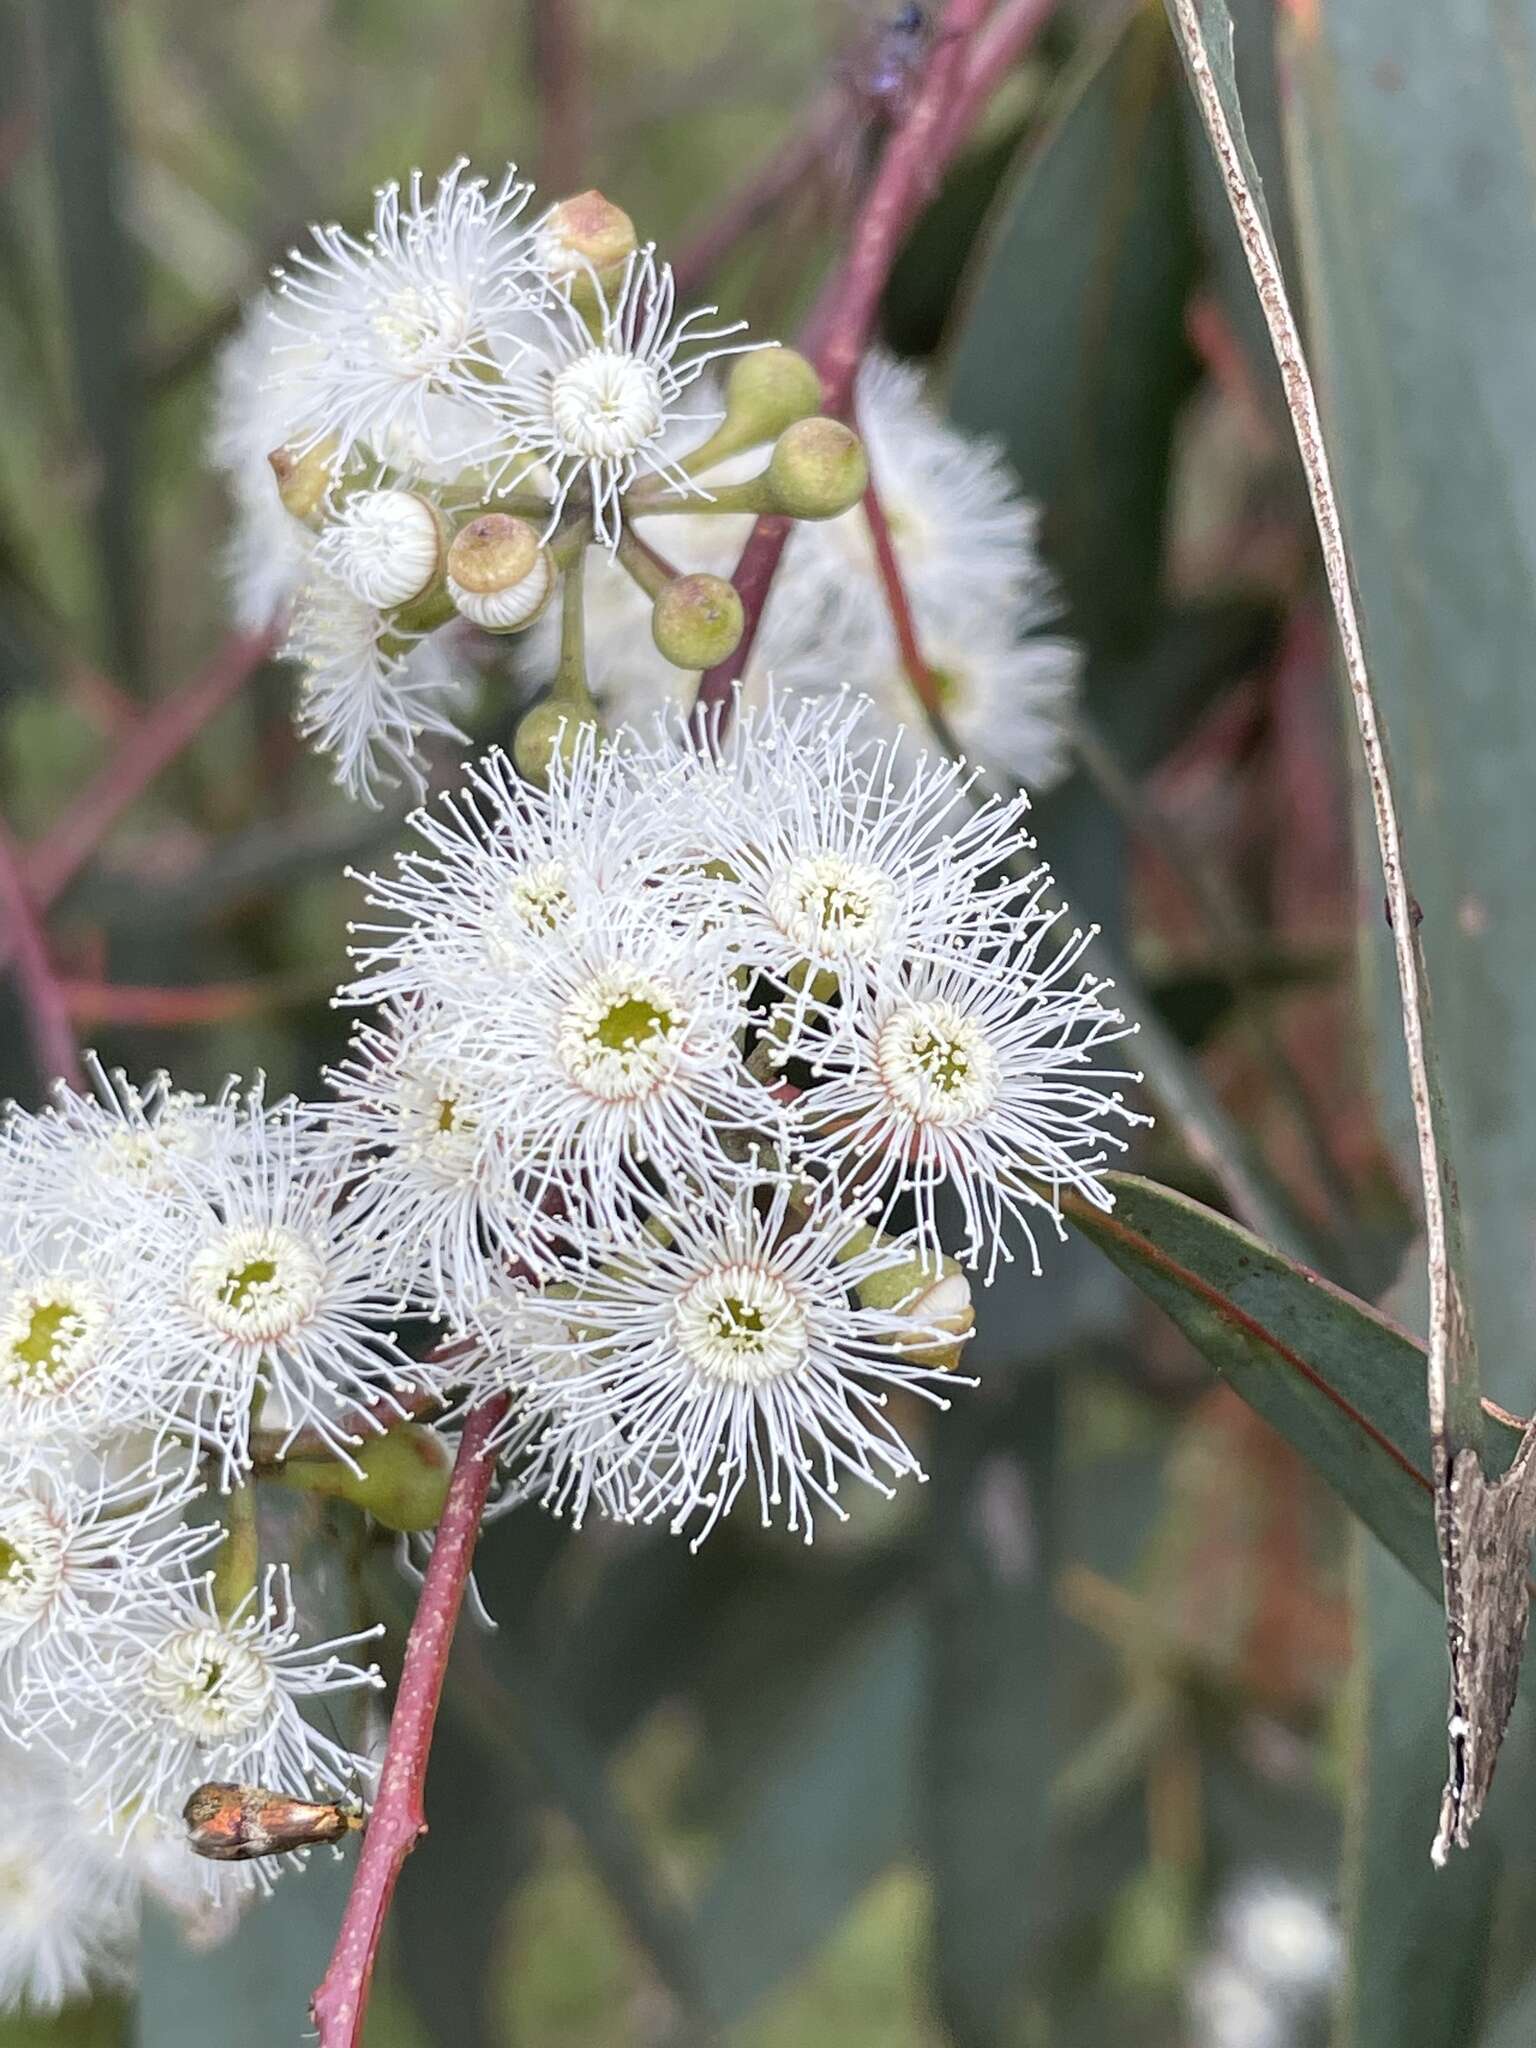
988, 1759
1417, 1936
1069, 341
1414, 189
829, 1808
102, 293
1343, 1384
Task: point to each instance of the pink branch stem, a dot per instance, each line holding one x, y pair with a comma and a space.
560, 74
783, 173
149, 747
1001, 42
43, 997
399, 1817
753, 579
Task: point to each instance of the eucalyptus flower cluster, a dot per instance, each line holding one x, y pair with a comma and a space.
427, 428
699, 1080
177, 1285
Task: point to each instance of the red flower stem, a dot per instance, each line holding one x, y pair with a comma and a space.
399, 1817
925, 684
42, 994
999, 45
149, 747
753, 579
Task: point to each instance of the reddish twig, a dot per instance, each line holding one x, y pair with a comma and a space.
925, 684
399, 1816
48, 1023
999, 45
909, 170
211, 1002
147, 749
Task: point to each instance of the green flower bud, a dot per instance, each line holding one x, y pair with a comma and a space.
589, 229
499, 574
403, 1480
547, 731
304, 481
935, 1296
817, 469
769, 390
697, 621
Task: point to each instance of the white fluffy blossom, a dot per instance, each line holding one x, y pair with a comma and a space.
434, 298
182, 1694
600, 407
369, 692
261, 404
69, 1920
732, 1351
980, 1073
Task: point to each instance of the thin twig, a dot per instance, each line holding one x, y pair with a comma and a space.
920, 674
149, 748
399, 1816
999, 45
767, 189
43, 997
753, 580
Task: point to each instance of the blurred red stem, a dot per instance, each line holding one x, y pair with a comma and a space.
47, 1011
399, 1816
560, 78
146, 750
752, 202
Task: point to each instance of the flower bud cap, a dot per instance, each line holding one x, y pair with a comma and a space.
817, 469
697, 621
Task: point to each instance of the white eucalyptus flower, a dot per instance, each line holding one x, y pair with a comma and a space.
434, 300
733, 1353
78, 1361
184, 1695
369, 693
261, 404
69, 1921
980, 1073
600, 408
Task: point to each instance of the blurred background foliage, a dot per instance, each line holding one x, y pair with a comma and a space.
994, 1766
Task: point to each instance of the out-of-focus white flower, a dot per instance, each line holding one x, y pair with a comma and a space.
980, 1073
261, 403
435, 299
69, 1919
264, 1288
184, 1695
1280, 1932
733, 1351
369, 693
1227, 2009
601, 406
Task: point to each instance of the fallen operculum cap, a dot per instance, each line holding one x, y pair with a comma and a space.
546, 733
304, 479
697, 621
817, 469
935, 1296
768, 390
588, 232
499, 574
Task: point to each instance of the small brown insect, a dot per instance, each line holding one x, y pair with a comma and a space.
237, 1823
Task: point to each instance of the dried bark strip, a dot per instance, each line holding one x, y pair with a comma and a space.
1484, 1529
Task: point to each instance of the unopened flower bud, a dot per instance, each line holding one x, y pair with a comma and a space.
304, 481
402, 1477
547, 732
768, 390
817, 469
588, 233
935, 1297
385, 546
697, 621
499, 575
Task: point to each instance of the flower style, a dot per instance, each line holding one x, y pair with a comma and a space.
977, 1072
600, 408
414, 317
184, 1695
369, 692
267, 1296
735, 1351
69, 1921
